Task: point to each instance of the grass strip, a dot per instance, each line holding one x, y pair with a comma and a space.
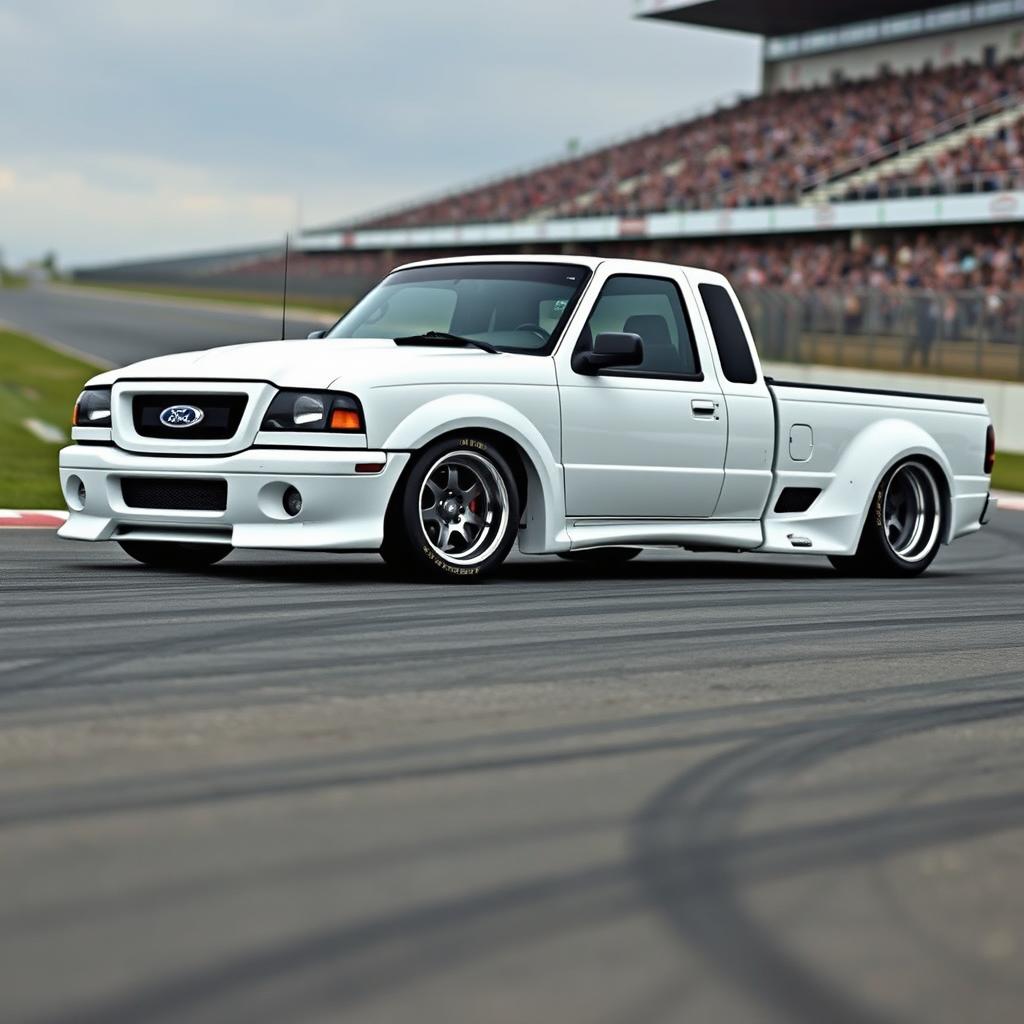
1008, 474
295, 300
40, 384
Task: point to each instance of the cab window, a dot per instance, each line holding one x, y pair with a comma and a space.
652, 308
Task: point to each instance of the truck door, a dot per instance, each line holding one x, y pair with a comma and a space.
645, 442
749, 461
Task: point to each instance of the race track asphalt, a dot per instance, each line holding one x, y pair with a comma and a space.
122, 329
697, 788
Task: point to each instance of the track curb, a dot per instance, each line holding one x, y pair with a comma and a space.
31, 518
1011, 500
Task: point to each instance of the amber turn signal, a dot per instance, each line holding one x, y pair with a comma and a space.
346, 419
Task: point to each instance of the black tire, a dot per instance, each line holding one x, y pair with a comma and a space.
175, 554
455, 514
905, 525
601, 556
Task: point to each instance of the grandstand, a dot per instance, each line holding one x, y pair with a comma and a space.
867, 196
778, 148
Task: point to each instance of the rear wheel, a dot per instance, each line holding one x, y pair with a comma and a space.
904, 527
601, 556
456, 515
175, 554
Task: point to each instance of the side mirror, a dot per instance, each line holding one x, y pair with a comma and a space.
313, 335
608, 350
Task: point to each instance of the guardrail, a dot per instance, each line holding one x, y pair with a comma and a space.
976, 333
921, 137
957, 185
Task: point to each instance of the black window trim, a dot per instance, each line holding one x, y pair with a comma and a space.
696, 377
755, 359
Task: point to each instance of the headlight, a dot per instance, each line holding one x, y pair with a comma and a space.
315, 410
92, 408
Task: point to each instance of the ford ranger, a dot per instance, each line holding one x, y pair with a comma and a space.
581, 407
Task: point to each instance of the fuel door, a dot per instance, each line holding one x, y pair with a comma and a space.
801, 442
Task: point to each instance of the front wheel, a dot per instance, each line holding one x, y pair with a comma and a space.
903, 531
175, 554
456, 514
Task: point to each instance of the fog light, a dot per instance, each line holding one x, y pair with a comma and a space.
74, 493
292, 502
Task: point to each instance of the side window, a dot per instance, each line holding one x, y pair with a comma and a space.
730, 339
652, 308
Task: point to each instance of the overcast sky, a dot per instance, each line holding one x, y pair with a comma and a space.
140, 127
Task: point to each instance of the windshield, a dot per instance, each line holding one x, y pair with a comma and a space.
516, 307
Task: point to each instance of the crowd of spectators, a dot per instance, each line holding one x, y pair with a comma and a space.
761, 151
926, 286
959, 260
988, 164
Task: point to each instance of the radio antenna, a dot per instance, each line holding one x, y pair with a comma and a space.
284, 296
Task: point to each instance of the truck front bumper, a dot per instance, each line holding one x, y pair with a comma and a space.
342, 508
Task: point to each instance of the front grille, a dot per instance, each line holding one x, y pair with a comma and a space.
221, 416
193, 495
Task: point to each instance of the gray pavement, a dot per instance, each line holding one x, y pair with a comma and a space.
294, 788
702, 789
117, 330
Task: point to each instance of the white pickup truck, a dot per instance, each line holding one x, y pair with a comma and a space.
584, 407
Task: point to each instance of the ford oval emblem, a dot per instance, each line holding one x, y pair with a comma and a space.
179, 416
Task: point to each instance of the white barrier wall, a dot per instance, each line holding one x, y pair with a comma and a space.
854, 214
1005, 400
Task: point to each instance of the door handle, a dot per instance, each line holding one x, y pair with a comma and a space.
703, 408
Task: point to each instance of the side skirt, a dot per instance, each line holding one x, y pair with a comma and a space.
723, 534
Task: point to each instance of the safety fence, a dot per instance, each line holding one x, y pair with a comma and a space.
956, 333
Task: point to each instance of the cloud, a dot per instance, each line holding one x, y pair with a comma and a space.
169, 210
344, 106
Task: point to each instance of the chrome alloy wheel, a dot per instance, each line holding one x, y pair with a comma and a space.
911, 512
464, 507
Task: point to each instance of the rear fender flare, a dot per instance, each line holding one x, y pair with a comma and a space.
887, 443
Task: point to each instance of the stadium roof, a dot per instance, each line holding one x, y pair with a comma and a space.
774, 19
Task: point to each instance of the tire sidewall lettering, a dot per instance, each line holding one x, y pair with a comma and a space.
455, 570
408, 538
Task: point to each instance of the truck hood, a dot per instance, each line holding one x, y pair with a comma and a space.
349, 363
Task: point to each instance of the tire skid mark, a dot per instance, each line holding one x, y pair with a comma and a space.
693, 866
55, 676
364, 958
225, 784
892, 902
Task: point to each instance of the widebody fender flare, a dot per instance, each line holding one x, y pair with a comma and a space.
544, 528
879, 447
834, 522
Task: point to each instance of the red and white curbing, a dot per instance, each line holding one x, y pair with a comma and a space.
32, 517
53, 518
1008, 500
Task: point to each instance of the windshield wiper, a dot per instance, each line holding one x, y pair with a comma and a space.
444, 338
